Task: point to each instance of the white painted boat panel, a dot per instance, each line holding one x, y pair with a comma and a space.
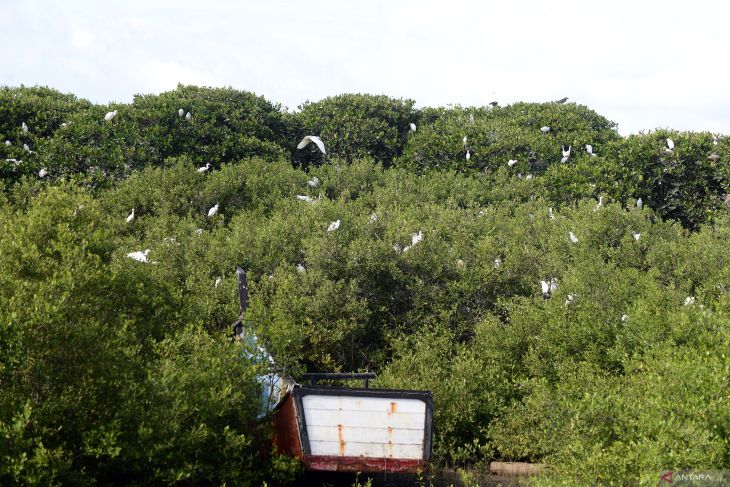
366, 434
372, 450
354, 403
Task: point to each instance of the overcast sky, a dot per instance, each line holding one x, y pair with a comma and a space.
642, 64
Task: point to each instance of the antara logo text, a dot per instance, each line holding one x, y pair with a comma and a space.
671, 477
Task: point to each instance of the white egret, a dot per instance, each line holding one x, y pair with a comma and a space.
572, 237
636, 236
416, 238
624, 318
314, 182
302, 197
689, 301
110, 116
8, 143
312, 138
529, 177
64, 125
468, 154
600, 203
471, 119
545, 129
714, 157
25, 128
570, 300
188, 117
180, 112
639, 203
26, 148
553, 285
564, 160
213, 211
566, 153
460, 263
373, 218
670, 144
589, 150
130, 218
301, 269
497, 263
464, 140
715, 140
202, 169
139, 255
511, 162
13, 160
333, 226
545, 287
550, 214
218, 281
412, 126
198, 231
42, 173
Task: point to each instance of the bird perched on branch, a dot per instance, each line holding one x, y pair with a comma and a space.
110, 116
562, 100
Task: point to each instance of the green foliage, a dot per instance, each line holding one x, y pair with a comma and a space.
118, 371
354, 126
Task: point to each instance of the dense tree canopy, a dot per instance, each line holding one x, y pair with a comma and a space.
119, 371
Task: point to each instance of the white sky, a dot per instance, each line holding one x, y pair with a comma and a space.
642, 64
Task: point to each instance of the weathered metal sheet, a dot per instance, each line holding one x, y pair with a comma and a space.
381, 404
351, 448
367, 434
360, 464
363, 419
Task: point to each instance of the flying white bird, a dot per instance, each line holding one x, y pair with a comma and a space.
566, 153
180, 112
188, 117
42, 173
110, 116
218, 281
312, 138
511, 162
636, 236
139, 255
204, 168
545, 129
213, 211
333, 226
639, 203
314, 182
468, 154
7, 142
571, 298
689, 300
497, 263
670, 144
600, 203
130, 218
550, 214
624, 318
572, 237
412, 126
373, 218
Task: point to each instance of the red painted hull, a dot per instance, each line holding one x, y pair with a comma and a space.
363, 464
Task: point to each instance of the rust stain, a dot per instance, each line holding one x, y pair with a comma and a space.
393, 407
342, 440
363, 464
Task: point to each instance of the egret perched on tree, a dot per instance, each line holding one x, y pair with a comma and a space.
545, 288
463, 141
42, 173
314, 182
188, 116
26, 148
373, 218
600, 203
7, 142
416, 237
639, 203
180, 112
302, 197
218, 281
301, 269
715, 140
572, 237
589, 150
689, 301
566, 153
24, 127
497, 263
198, 231
202, 169
670, 144
511, 162
624, 318
570, 300
550, 214
110, 116
333, 226
130, 218
139, 255
412, 126
636, 236
468, 154
545, 129
312, 138
213, 211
